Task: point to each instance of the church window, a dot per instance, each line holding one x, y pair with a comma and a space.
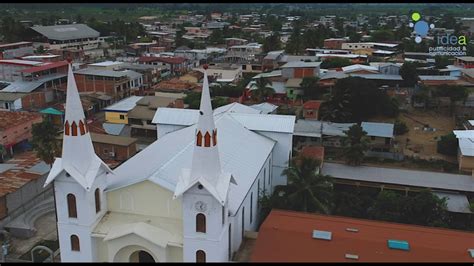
71, 206
251, 207
66, 128
207, 140
200, 256
214, 137
74, 128
75, 246
223, 214
200, 223
199, 139
97, 200
82, 128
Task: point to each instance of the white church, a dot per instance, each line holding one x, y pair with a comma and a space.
189, 196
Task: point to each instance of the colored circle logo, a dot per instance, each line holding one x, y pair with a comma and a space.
420, 27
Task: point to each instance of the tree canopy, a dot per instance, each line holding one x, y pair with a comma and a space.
44, 141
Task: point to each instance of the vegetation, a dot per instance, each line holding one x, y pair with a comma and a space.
44, 141
193, 99
355, 145
448, 145
272, 43
400, 128
311, 89
409, 74
263, 89
348, 103
335, 62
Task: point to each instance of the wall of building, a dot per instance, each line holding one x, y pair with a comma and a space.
11, 72
16, 134
18, 52
116, 117
466, 163
121, 153
116, 88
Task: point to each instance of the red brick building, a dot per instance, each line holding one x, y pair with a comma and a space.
112, 83
311, 109
334, 43
287, 236
15, 127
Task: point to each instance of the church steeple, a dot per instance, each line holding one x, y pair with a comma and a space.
78, 156
206, 162
206, 166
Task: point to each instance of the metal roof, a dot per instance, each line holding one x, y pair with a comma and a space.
358, 67
40, 168
384, 130
242, 153
433, 77
124, 105
378, 76
66, 32
113, 129
312, 128
413, 178
265, 108
176, 116
456, 202
293, 64
29, 86
11, 96
274, 73
103, 73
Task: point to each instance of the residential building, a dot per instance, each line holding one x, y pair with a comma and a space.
243, 53
299, 69
77, 36
176, 65
141, 116
235, 41
334, 43
464, 61
311, 109
194, 76
118, 112
113, 83
288, 236
150, 74
15, 128
465, 149
15, 50
224, 73
176, 85
177, 208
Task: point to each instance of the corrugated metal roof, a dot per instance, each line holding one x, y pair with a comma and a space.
67, 32
461, 134
29, 86
176, 116
293, 64
456, 202
124, 105
242, 153
413, 178
103, 73
358, 67
265, 108
40, 168
378, 76
466, 146
312, 128
426, 77
11, 96
274, 73
113, 129
384, 130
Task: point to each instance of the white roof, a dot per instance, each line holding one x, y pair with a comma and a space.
274, 73
466, 146
292, 64
235, 108
252, 121
342, 55
265, 108
18, 61
471, 122
242, 153
382, 52
384, 130
312, 128
460, 134
358, 67
106, 63
435, 77
414, 178
124, 105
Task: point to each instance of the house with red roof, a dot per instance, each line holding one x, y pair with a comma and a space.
311, 109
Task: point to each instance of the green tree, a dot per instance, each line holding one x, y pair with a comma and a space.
455, 93
400, 128
409, 74
441, 61
311, 89
425, 208
193, 99
448, 144
335, 62
272, 43
308, 190
44, 141
382, 35
40, 50
295, 44
262, 90
355, 145
216, 37
387, 207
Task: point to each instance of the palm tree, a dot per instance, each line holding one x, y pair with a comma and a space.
335, 109
263, 90
307, 190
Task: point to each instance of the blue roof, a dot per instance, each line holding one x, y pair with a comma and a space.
113, 129
374, 129
398, 244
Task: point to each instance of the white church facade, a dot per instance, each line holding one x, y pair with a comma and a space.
189, 196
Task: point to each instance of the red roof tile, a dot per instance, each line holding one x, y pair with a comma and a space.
13, 179
313, 104
45, 67
286, 236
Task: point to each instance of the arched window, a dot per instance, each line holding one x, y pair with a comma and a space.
74, 128
75, 246
200, 223
207, 140
71, 206
82, 128
199, 139
66, 128
97, 200
214, 137
200, 256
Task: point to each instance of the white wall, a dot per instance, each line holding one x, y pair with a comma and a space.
281, 155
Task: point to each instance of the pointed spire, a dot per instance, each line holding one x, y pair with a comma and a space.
206, 162
78, 151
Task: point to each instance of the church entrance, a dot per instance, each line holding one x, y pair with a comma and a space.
141, 256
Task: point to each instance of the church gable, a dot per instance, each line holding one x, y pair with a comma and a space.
145, 198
